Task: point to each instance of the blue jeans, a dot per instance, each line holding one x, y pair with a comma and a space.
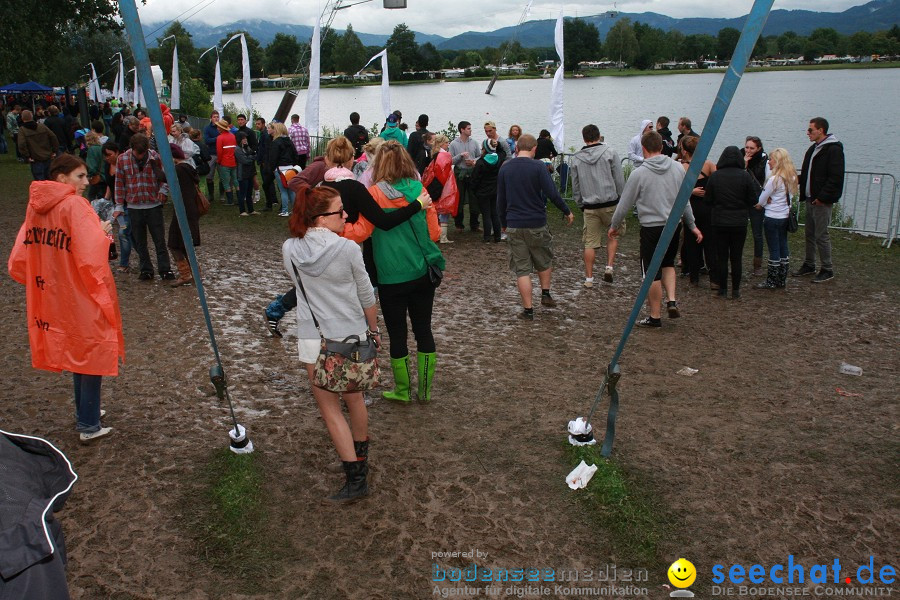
776, 238
287, 196
245, 195
40, 170
87, 402
125, 241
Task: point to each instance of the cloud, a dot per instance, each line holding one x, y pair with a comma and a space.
449, 18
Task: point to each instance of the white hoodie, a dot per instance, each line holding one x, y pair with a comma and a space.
634, 146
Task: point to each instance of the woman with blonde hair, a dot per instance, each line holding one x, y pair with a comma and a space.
404, 257
438, 179
282, 154
775, 199
363, 168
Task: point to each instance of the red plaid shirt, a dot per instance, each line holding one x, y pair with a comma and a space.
300, 137
134, 186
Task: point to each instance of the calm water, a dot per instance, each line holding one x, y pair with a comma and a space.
861, 106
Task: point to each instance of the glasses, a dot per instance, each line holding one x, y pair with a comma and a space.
339, 211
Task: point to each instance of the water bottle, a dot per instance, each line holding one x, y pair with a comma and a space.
850, 369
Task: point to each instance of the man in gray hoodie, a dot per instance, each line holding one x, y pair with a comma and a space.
653, 189
597, 183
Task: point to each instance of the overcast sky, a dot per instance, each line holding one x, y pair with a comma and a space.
448, 17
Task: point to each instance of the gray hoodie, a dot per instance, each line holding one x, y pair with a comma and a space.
335, 280
653, 189
597, 179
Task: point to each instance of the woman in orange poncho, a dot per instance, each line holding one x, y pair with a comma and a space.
61, 256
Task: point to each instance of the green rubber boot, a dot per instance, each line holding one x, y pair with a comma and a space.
426, 375
400, 393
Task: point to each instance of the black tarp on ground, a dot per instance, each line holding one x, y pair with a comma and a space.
35, 481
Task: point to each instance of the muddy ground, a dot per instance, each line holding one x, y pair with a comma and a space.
755, 457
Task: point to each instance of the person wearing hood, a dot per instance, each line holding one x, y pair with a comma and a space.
37, 146
392, 130
245, 158
635, 151
61, 256
731, 191
821, 186
168, 119
403, 256
654, 189
484, 188
339, 296
597, 184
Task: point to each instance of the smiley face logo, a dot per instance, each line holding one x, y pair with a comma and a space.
682, 573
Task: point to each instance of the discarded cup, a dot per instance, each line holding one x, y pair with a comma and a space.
850, 369
687, 371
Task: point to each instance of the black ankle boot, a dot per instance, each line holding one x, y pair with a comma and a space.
356, 486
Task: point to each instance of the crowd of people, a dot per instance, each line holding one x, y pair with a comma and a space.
371, 216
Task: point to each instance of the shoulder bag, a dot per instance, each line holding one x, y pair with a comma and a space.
435, 275
202, 201
347, 365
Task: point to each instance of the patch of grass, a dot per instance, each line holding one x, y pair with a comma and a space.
230, 521
620, 508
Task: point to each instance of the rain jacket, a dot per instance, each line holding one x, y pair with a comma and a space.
392, 131
37, 480
731, 190
441, 169
61, 255
168, 119
402, 252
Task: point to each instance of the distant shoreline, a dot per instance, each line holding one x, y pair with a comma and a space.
602, 73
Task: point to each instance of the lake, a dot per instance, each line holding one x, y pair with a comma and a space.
776, 106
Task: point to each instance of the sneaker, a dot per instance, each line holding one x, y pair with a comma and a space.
168, 276
823, 276
672, 308
547, 300
503, 237
243, 214
650, 322
271, 324
607, 274
527, 315
804, 270
588, 282
255, 196
145, 276
283, 214
89, 437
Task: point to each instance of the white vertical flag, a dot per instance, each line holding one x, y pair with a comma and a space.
385, 89
120, 93
115, 87
312, 93
245, 65
137, 90
557, 130
94, 85
175, 100
217, 89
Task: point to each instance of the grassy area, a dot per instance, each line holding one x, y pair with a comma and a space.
620, 509
229, 520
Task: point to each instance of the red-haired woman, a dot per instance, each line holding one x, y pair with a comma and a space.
340, 295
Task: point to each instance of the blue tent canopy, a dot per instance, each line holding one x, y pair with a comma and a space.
30, 87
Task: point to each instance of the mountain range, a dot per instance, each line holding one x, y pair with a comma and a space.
875, 15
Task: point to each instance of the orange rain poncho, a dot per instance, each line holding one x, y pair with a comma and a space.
61, 255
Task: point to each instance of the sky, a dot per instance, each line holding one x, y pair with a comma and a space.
448, 17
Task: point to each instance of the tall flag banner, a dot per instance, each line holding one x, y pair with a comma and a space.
217, 81
557, 129
385, 87
312, 93
175, 100
120, 93
94, 85
115, 88
245, 70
